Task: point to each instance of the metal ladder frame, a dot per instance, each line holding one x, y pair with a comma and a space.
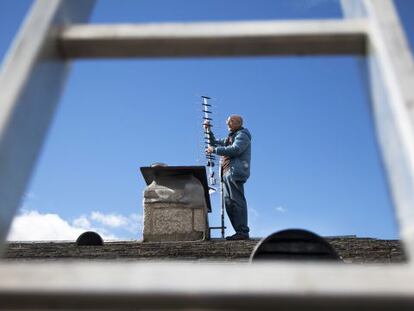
31, 81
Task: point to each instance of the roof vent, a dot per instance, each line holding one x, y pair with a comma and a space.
89, 238
294, 244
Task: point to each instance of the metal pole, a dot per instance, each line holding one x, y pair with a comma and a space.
222, 204
211, 159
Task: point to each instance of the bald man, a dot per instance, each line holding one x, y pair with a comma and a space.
235, 152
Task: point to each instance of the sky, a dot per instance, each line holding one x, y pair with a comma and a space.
315, 164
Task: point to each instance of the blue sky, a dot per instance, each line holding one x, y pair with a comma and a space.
315, 163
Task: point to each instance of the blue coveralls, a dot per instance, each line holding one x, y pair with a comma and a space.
233, 180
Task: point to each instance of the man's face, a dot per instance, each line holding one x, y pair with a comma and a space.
232, 124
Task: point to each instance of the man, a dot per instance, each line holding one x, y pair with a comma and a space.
235, 165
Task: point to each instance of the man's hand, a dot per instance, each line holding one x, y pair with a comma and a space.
206, 124
210, 150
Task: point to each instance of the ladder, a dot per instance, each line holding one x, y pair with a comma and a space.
31, 81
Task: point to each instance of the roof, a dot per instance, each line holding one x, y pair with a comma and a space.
351, 249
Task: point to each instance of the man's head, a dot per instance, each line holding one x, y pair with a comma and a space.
234, 122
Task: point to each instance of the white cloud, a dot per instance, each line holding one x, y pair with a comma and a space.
34, 226
110, 220
131, 223
280, 209
82, 222
135, 223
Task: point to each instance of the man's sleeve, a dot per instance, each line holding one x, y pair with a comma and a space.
241, 142
215, 142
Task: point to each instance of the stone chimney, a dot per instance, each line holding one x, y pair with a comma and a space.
175, 207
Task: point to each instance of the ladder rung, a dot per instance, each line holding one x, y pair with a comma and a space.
298, 37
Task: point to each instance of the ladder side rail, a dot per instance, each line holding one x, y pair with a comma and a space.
31, 80
390, 69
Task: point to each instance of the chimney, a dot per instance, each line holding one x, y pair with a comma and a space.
176, 203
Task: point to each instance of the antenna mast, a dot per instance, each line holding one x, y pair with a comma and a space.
211, 161
211, 158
